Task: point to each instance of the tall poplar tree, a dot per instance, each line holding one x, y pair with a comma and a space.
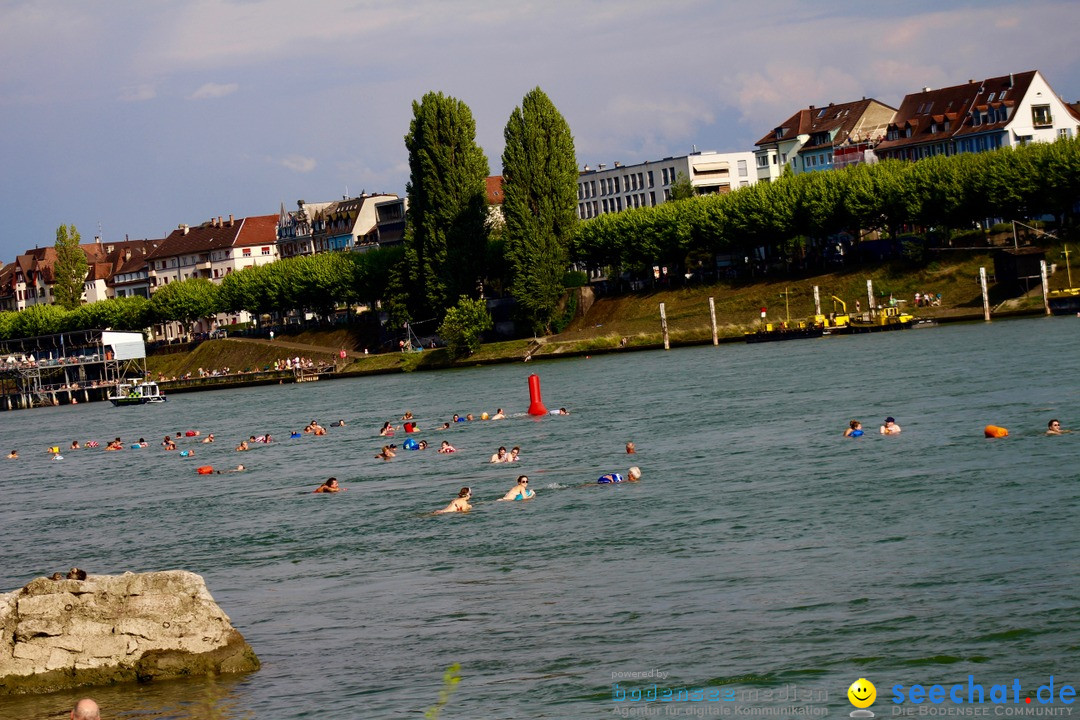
69, 272
540, 205
445, 235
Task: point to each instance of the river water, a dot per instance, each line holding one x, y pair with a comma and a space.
763, 556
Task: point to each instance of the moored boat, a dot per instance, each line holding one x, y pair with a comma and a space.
137, 393
1064, 302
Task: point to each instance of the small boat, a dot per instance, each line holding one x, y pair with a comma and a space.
1064, 302
888, 318
784, 331
137, 393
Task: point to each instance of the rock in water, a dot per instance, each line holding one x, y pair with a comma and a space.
60, 634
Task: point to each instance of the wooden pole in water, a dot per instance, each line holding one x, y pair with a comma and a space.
663, 326
712, 316
985, 294
870, 296
817, 301
1045, 286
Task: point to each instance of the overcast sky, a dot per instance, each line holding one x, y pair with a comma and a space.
134, 116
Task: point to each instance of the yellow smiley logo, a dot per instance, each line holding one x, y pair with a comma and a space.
862, 693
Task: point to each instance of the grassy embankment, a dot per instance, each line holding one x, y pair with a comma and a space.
636, 317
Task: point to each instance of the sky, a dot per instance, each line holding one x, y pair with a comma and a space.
127, 118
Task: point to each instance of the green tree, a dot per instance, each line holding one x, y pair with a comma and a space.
463, 326
38, 320
70, 268
446, 234
682, 188
540, 205
185, 301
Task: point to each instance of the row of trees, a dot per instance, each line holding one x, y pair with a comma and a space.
790, 215
449, 239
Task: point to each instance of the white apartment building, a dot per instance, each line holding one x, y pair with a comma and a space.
621, 187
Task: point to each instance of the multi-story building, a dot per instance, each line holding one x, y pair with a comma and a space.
346, 224
294, 229
606, 190
212, 251
821, 138
29, 280
389, 224
980, 115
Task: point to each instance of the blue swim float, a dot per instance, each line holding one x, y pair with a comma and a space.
410, 444
856, 433
609, 478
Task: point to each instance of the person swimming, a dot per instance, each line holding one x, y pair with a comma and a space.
14, 455
632, 475
74, 445
330, 486
520, 491
387, 429
458, 504
631, 449
890, 427
243, 446
386, 453
447, 448
339, 423
514, 455
1054, 428
208, 439
500, 456
854, 429
499, 415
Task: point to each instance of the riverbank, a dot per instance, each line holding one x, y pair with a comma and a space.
614, 324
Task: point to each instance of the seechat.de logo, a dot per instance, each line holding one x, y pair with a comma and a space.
862, 694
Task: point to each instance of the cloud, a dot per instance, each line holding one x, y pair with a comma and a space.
138, 93
298, 163
214, 90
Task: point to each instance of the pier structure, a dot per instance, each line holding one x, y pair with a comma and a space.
68, 368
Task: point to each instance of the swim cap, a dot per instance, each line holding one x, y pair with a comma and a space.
483, 416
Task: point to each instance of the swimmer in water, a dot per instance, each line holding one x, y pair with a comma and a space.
890, 427
445, 426
387, 429
515, 452
456, 418
208, 439
74, 445
407, 416
854, 429
520, 491
447, 448
564, 411
458, 504
422, 445
14, 455
630, 449
115, 445
386, 453
168, 443
330, 486
1054, 428
469, 417
500, 456
339, 423
498, 415
243, 446
632, 475
238, 468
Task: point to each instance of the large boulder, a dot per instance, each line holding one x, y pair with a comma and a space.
59, 634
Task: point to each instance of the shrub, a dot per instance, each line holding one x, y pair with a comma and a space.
463, 326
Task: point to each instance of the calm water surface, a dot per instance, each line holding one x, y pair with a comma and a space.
761, 550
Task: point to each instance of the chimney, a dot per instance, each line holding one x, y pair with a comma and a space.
183, 227
219, 221
971, 82
127, 255
1011, 80
97, 239
926, 89
811, 107
230, 220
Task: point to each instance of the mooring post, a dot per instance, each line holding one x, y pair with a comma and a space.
985, 294
870, 297
712, 316
663, 326
1045, 285
817, 300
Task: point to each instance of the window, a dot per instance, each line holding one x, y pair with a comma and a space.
1040, 115
266, 251
663, 175
762, 161
744, 183
975, 118
742, 168
246, 252
991, 98
651, 184
1064, 133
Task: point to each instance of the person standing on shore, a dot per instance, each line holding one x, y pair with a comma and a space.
86, 709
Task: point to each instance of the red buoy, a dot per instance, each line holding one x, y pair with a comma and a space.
536, 404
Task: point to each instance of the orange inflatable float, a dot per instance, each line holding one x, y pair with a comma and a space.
993, 431
205, 470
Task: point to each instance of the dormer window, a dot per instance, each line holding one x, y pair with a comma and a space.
893, 134
933, 128
779, 132
991, 98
